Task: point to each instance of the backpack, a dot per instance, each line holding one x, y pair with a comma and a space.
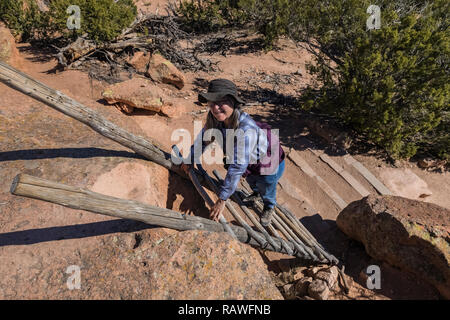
258, 168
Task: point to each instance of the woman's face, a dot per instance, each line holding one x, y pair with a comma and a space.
221, 110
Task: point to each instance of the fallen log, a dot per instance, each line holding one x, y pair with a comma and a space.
74, 51
83, 48
82, 199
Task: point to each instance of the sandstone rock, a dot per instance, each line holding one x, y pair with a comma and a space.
8, 50
141, 93
184, 265
137, 93
312, 271
162, 70
140, 61
124, 108
204, 265
329, 275
405, 183
173, 109
302, 285
298, 275
411, 235
134, 181
289, 291
319, 290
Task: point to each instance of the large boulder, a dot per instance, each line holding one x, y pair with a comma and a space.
162, 70
8, 50
205, 265
135, 93
151, 264
143, 94
139, 61
409, 234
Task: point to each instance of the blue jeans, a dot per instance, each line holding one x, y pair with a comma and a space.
266, 186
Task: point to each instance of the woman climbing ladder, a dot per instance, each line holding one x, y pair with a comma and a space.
256, 155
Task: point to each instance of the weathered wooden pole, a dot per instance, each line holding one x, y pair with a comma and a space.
195, 181
82, 199
60, 102
296, 226
298, 245
262, 241
208, 200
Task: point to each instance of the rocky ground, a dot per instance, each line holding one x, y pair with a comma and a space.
130, 260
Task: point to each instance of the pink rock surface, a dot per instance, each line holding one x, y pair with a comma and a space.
151, 264
405, 183
408, 234
162, 70
8, 50
140, 61
137, 93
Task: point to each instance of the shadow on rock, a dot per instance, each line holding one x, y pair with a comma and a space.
77, 153
32, 236
182, 197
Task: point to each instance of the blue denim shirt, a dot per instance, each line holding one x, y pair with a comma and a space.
248, 150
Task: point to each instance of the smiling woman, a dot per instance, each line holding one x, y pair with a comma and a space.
224, 104
221, 110
251, 150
